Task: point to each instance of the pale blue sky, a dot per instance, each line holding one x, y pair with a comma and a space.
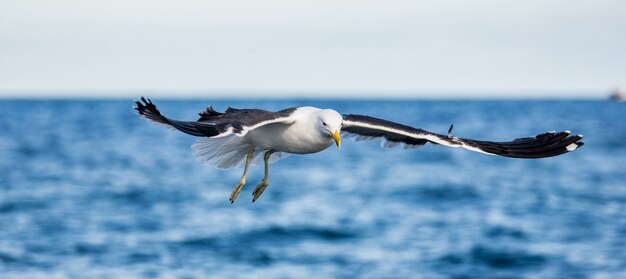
349, 48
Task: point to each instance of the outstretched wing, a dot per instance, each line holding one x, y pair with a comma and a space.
540, 146
215, 124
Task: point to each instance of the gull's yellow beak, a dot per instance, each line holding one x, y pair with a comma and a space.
337, 138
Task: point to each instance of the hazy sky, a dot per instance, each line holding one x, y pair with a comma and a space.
340, 48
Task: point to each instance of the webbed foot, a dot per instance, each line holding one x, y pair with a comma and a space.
258, 190
237, 189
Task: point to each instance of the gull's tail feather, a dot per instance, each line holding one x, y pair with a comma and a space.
149, 111
225, 152
229, 152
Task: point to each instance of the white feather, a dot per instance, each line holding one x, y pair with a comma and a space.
571, 147
223, 152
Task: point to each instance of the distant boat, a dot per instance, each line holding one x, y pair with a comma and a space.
619, 95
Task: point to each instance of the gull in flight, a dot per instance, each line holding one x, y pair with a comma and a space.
239, 136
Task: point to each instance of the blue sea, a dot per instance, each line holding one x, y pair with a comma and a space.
90, 190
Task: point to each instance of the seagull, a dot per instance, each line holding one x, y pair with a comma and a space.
238, 137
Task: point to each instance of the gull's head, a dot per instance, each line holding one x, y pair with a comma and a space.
329, 123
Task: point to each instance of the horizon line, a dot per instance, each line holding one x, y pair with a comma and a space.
306, 94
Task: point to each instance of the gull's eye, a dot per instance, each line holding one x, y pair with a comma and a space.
324, 123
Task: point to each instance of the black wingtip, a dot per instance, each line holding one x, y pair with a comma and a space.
208, 114
541, 146
142, 106
148, 110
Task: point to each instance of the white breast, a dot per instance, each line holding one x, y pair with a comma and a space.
300, 137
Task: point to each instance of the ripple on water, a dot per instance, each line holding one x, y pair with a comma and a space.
271, 234
505, 258
18, 262
440, 194
139, 258
89, 249
277, 232
22, 205
497, 258
502, 231
256, 246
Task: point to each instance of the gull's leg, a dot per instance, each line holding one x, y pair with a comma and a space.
242, 181
261, 187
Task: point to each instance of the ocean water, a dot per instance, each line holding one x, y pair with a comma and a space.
90, 190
